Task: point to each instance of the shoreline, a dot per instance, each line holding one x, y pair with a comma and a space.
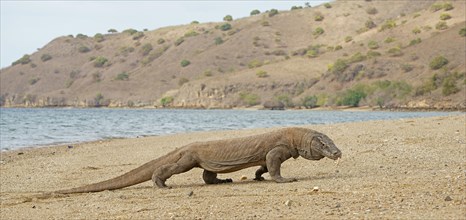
71, 143
256, 108
409, 168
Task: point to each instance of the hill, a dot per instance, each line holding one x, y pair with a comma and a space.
405, 54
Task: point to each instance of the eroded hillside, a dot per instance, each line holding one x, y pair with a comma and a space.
376, 53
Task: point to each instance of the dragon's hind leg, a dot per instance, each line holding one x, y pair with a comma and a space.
161, 174
211, 178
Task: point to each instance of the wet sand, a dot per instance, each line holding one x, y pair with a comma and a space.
407, 168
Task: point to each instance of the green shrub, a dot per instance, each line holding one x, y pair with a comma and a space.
138, 35
389, 24
160, 41
165, 101
406, 67
371, 10
338, 47
261, 74
81, 36
373, 45
348, 39
254, 64
228, 18
98, 99
34, 81
273, 12
318, 17
255, 12
447, 6
389, 40
45, 57
415, 41
327, 5
462, 32
249, 98
416, 30
338, 67
370, 24
372, 54
225, 27
208, 73
100, 61
194, 22
309, 101
438, 62
154, 54
312, 53
357, 57
441, 25
83, 49
445, 16
99, 37
318, 31
218, 41
395, 52
439, 6
449, 86
130, 31
265, 23
179, 41
23, 60
146, 49
191, 33
185, 63
285, 99
296, 7
352, 97
122, 76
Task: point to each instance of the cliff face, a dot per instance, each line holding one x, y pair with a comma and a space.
408, 54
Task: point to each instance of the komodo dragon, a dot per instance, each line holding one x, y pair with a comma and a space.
267, 150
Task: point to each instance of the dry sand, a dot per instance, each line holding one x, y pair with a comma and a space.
408, 169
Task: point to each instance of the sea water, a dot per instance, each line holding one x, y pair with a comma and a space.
41, 127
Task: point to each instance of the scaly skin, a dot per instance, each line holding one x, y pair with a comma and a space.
267, 150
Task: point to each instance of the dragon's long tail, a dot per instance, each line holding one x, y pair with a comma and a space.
133, 177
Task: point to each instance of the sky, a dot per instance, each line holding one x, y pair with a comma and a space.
27, 26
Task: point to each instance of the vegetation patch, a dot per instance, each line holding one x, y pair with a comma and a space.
23, 60
225, 27
389, 24
179, 41
309, 101
167, 100
185, 63
255, 12
318, 31
395, 52
250, 99
373, 45
415, 41
191, 33
83, 49
261, 73
45, 57
462, 32
99, 37
146, 49
438, 62
100, 61
445, 16
441, 25
255, 63
273, 12
122, 76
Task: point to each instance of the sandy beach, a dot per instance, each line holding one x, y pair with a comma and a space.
400, 169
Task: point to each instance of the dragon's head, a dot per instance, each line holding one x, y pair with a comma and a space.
315, 146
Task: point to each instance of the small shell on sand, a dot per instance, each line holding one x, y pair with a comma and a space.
315, 189
243, 177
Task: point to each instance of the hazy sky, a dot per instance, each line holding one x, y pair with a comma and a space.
29, 25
